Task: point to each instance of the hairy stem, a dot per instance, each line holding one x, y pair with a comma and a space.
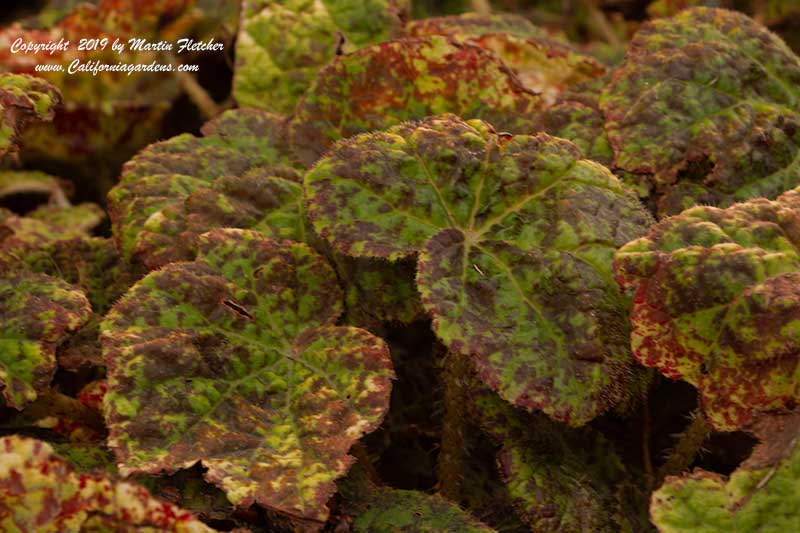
649, 475
689, 444
360, 452
450, 465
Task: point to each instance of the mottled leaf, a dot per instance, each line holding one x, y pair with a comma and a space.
86, 457
40, 492
78, 420
378, 509
60, 247
543, 64
467, 25
763, 494
581, 123
79, 220
23, 99
188, 490
82, 350
378, 291
25, 233
36, 313
558, 478
717, 304
14, 182
234, 360
769, 12
283, 44
515, 236
238, 174
385, 84
706, 109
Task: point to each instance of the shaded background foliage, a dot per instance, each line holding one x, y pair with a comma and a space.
451, 452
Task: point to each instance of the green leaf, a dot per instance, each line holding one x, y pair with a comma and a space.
54, 241
717, 304
14, 182
29, 233
23, 99
389, 83
515, 236
377, 509
467, 25
377, 291
238, 174
234, 360
392, 510
761, 495
558, 478
36, 313
706, 109
283, 44
79, 220
579, 121
40, 492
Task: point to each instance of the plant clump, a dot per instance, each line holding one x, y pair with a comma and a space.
393, 266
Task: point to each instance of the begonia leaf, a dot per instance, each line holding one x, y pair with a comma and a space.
40, 492
78, 420
238, 174
763, 494
388, 83
13, 182
55, 241
79, 220
706, 109
544, 65
717, 304
234, 360
377, 509
393, 510
466, 25
515, 236
283, 44
36, 313
378, 291
558, 478
576, 116
86, 456
23, 99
